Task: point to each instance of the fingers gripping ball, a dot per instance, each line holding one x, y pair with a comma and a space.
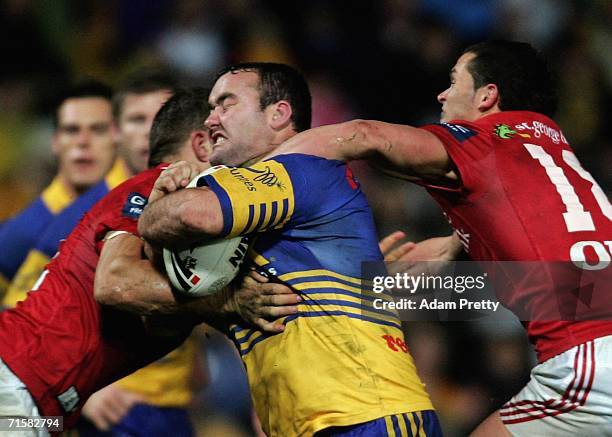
205, 269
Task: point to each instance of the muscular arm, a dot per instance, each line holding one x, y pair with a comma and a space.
130, 282
125, 279
400, 150
182, 217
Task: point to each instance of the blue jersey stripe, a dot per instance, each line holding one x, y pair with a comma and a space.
368, 297
284, 212
396, 428
321, 278
249, 222
226, 204
273, 213
342, 313
350, 304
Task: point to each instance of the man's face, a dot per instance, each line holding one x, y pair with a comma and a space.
137, 114
84, 141
239, 129
459, 101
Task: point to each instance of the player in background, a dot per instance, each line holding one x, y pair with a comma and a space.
84, 144
340, 367
133, 107
513, 190
59, 345
162, 390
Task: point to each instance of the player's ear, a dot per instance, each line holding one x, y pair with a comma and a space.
200, 144
487, 97
279, 114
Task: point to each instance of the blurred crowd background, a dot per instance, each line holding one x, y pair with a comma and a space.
380, 59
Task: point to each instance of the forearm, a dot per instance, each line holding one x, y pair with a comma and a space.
128, 281
401, 150
343, 141
182, 218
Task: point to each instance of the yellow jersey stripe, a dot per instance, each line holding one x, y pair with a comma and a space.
25, 278
421, 430
257, 258
117, 174
325, 284
389, 424
4, 284
318, 272
56, 196
341, 294
401, 419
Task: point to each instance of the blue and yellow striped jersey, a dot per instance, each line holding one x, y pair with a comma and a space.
19, 234
57, 228
166, 382
332, 365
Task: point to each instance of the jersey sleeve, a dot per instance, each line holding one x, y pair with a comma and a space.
66, 221
286, 191
468, 145
123, 214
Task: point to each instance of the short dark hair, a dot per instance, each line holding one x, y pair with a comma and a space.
182, 114
143, 82
521, 73
280, 82
83, 89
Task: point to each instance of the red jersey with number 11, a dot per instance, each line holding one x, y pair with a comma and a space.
523, 196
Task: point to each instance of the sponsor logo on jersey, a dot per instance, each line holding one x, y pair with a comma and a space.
69, 399
505, 132
134, 205
461, 133
537, 128
246, 181
264, 177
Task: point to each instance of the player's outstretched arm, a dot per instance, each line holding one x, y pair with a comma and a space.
182, 217
403, 150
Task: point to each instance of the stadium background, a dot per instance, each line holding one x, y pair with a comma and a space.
381, 59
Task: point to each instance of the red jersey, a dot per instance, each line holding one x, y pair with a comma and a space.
59, 342
523, 196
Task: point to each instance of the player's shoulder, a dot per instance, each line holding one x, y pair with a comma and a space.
35, 212
143, 181
299, 163
129, 197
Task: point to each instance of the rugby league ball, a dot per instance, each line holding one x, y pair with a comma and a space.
208, 268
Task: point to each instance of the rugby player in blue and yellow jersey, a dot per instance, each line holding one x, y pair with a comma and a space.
84, 144
331, 372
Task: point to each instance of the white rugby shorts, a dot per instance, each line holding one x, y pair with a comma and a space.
567, 395
16, 401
